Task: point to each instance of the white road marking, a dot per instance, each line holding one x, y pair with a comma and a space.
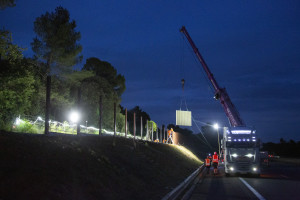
252, 189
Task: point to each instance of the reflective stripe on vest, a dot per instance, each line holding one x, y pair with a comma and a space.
215, 158
207, 162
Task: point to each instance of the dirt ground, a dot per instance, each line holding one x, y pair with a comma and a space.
88, 167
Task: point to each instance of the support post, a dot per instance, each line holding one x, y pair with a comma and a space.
126, 128
115, 119
141, 128
115, 125
100, 114
48, 91
164, 132
78, 109
160, 138
152, 131
147, 130
134, 126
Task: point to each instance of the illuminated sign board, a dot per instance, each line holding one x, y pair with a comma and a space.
241, 131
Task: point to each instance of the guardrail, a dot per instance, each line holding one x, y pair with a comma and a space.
175, 193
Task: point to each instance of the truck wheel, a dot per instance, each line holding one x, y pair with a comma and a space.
256, 175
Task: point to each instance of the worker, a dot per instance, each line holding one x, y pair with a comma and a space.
215, 162
209, 156
207, 164
170, 136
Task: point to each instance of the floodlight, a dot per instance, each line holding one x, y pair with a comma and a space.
74, 117
216, 126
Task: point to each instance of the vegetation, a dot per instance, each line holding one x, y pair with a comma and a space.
7, 3
56, 48
78, 167
138, 114
56, 40
16, 81
283, 148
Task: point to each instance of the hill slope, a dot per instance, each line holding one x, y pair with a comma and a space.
89, 167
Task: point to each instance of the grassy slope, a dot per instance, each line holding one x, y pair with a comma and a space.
88, 167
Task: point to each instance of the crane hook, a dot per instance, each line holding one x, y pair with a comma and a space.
182, 83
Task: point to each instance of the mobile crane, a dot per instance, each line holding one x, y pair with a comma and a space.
239, 144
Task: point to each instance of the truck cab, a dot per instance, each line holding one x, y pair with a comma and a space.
241, 151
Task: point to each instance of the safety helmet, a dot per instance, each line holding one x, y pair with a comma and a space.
215, 153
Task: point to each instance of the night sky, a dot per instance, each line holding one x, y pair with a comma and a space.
251, 47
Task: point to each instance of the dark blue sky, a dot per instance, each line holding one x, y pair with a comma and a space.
251, 47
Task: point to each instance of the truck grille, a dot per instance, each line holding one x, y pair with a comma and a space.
243, 166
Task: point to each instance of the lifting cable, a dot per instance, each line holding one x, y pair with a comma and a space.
181, 72
183, 99
201, 68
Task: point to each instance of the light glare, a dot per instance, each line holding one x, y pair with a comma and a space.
74, 117
216, 126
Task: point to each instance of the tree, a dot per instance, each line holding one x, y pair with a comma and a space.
106, 71
107, 83
7, 3
56, 40
56, 44
9, 52
150, 125
16, 81
138, 113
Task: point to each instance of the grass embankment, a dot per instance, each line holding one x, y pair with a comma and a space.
89, 167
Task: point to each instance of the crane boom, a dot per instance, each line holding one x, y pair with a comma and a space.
220, 93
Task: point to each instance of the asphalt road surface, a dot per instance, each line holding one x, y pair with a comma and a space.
278, 181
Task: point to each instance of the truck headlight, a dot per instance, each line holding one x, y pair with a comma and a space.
249, 155
231, 168
254, 169
234, 155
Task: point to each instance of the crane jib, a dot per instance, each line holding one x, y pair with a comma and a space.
230, 110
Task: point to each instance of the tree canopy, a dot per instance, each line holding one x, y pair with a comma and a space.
16, 81
138, 113
106, 71
56, 40
7, 3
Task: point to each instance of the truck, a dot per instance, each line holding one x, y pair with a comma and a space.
240, 145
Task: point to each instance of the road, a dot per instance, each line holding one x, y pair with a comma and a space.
279, 181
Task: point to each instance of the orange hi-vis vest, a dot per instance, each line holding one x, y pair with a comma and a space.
215, 159
207, 162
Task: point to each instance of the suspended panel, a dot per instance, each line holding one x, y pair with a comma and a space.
183, 118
